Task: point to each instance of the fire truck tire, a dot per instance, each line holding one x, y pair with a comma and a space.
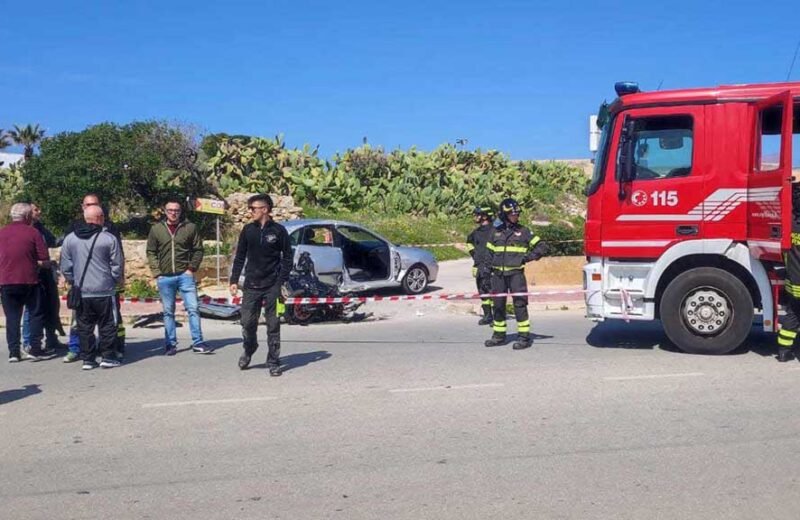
707, 311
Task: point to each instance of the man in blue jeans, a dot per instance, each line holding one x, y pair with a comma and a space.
174, 252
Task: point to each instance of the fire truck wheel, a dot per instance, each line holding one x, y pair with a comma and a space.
707, 311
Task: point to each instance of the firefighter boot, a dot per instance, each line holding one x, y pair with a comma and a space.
496, 340
523, 341
785, 354
487, 315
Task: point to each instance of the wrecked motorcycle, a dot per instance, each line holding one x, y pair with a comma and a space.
304, 283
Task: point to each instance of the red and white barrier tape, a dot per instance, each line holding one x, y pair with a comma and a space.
463, 244
364, 299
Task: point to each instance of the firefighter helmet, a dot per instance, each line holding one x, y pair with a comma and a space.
509, 206
484, 211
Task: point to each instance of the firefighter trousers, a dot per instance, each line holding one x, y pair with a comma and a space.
505, 282
790, 323
484, 285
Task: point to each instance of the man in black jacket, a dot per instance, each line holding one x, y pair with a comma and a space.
48, 294
476, 246
790, 322
510, 247
266, 247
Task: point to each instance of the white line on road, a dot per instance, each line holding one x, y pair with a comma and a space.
210, 401
447, 387
654, 376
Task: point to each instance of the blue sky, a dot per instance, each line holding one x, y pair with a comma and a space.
518, 76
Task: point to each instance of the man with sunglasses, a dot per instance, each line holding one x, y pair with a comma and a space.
265, 245
174, 252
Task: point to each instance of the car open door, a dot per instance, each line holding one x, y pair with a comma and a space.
328, 262
769, 191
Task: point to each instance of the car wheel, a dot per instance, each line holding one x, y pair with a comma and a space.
416, 280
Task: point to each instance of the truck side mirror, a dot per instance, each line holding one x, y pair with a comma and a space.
626, 160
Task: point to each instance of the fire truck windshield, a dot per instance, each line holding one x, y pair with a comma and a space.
600, 157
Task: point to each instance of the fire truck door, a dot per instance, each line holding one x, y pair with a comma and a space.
657, 200
769, 193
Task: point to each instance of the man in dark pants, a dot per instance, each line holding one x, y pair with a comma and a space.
790, 323
266, 247
91, 259
22, 253
48, 292
476, 246
510, 248
93, 200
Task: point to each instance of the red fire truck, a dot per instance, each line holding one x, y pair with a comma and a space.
689, 209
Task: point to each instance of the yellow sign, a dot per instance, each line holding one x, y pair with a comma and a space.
214, 206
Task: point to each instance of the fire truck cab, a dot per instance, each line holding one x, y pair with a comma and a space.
689, 210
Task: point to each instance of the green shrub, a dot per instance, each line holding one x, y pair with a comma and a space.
561, 240
443, 182
225, 248
140, 288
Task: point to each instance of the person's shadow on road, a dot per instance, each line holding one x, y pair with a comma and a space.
8, 396
300, 359
138, 351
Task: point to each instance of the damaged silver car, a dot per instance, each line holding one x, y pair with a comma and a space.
356, 259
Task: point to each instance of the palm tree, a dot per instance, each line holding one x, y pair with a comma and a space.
29, 136
5, 142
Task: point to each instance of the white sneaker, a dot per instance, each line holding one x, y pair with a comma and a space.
13, 359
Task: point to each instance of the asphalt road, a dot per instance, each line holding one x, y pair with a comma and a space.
408, 418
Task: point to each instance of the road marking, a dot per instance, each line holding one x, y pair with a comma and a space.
446, 387
210, 401
654, 376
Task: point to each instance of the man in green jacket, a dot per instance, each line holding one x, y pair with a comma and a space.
174, 252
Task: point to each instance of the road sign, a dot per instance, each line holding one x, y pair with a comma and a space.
217, 207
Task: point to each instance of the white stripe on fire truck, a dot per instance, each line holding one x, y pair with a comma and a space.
635, 243
714, 208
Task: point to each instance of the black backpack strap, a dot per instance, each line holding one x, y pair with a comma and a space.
89, 258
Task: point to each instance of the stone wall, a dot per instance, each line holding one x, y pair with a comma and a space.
284, 209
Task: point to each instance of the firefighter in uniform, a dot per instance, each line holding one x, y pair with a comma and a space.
790, 323
476, 246
510, 247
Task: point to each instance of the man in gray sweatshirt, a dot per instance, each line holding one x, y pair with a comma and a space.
98, 286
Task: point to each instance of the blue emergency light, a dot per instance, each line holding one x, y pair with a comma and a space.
623, 88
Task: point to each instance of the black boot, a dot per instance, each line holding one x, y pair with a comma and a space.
487, 315
496, 340
523, 342
785, 354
